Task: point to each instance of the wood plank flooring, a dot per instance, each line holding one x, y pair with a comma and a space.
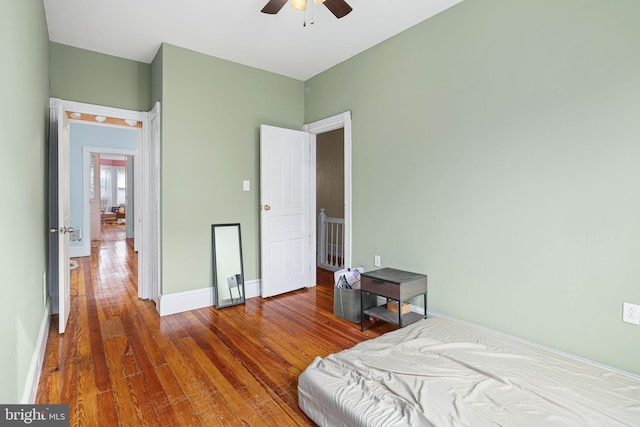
119, 363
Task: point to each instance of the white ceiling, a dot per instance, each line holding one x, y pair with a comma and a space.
235, 30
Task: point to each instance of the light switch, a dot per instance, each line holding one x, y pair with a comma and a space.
246, 185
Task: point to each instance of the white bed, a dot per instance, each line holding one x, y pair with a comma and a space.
439, 372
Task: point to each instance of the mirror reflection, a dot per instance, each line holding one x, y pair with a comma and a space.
228, 274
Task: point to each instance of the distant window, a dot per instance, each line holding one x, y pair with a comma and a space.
113, 186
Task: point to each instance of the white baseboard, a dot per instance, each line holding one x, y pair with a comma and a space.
76, 251
33, 376
253, 288
185, 301
199, 298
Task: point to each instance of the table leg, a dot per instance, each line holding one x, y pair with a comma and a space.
361, 311
425, 305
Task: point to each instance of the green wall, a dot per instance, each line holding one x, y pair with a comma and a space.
23, 223
211, 113
496, 148
95, 78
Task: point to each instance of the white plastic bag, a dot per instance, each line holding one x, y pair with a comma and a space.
348, 278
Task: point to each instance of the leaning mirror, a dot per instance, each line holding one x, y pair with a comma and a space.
228, 274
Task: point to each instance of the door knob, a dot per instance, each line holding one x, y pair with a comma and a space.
62, 230
267, 207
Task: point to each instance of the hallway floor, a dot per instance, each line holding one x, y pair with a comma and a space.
119, 363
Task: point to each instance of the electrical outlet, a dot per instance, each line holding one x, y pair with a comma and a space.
376, 260
631, 313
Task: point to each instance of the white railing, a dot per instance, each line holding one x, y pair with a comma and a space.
330, 242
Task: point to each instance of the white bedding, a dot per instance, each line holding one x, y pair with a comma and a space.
438, 372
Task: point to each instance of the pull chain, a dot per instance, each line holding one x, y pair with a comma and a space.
312, 21
312, 13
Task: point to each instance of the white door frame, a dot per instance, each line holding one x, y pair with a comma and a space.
86, 207
149, 184
338, 121
150, 169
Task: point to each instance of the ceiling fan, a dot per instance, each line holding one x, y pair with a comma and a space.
339, 8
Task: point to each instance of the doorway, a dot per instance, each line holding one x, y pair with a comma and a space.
91, 145
111, 201
338, 130
112, 192
147, 199
329, 203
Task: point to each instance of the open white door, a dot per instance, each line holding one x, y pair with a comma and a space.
64, 282
285, 220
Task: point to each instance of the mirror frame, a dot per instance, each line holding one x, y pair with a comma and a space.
215, 258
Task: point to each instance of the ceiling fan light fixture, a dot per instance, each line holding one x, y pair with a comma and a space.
299, 4
339, 8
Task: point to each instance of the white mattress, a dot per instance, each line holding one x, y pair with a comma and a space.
438, 372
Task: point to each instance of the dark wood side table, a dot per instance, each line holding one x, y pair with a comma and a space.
397, 285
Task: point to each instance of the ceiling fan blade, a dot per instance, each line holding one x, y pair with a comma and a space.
273, 6
339, 8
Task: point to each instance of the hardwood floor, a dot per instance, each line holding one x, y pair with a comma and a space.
119, 363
